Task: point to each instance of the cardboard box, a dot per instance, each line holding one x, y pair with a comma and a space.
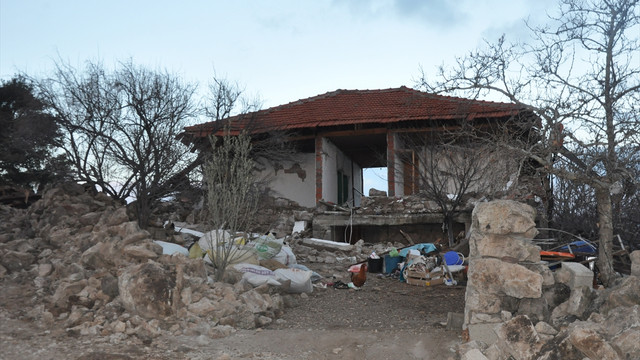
418, 274
422, 278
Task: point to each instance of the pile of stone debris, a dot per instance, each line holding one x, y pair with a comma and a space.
88, 268
516, 308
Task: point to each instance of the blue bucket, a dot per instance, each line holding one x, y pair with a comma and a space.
453, 258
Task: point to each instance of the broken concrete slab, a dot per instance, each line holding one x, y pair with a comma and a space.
321, 244
574, 275
299, 227
483, 332
454, 321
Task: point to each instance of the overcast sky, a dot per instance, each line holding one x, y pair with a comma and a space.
278, 50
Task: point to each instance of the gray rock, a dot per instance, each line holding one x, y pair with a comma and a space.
485, 333
587, 338
470, 345
627, 294
454, 321
536, 309
502, 246
481, 301
560, 348
580, 301
499, 277
99, 256
148, 250
65, 290
493, 353
518, 338
503, 217
546, 329
109, 285
628, 343
16, 260
376, 192
620, 319
147, 290
473, 354
556, 294
203, 307
635, 263
255, 301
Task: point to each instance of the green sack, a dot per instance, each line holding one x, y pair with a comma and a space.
267, 246
394, 252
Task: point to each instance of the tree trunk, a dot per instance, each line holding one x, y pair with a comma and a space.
605, 249
449, 224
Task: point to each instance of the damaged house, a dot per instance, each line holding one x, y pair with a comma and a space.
339, 134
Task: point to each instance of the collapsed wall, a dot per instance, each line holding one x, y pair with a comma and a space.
515, 307
81, 264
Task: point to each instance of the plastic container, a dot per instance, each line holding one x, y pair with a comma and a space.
375, 265
453, 258
391, 263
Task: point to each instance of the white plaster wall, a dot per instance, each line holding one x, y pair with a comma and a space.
335, 160
496, 169
290, 185
329, 171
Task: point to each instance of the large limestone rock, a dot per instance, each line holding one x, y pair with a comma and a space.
579, 302
16, 260
147, 290
503, 246
627, 294
505, 217
586, 337
519, 338
499, 277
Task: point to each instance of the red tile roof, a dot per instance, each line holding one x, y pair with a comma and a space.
349, 107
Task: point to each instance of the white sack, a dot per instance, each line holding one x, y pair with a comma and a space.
300, 279
257, 275
286, 256
171, 248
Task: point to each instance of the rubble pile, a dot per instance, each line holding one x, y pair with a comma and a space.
515, 307
89, 269
410, 204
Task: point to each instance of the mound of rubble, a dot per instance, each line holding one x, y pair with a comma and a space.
82, 265
516, 308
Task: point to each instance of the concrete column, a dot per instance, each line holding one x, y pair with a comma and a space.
319, 153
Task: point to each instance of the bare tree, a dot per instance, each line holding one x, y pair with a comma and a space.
232, 197
450, 166
227, 98
580, 76
120, 129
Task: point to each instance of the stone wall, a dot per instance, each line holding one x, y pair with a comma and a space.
516, 308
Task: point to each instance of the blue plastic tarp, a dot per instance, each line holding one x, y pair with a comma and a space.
580, 246
424, 248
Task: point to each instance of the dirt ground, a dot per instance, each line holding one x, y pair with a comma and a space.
385, 319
